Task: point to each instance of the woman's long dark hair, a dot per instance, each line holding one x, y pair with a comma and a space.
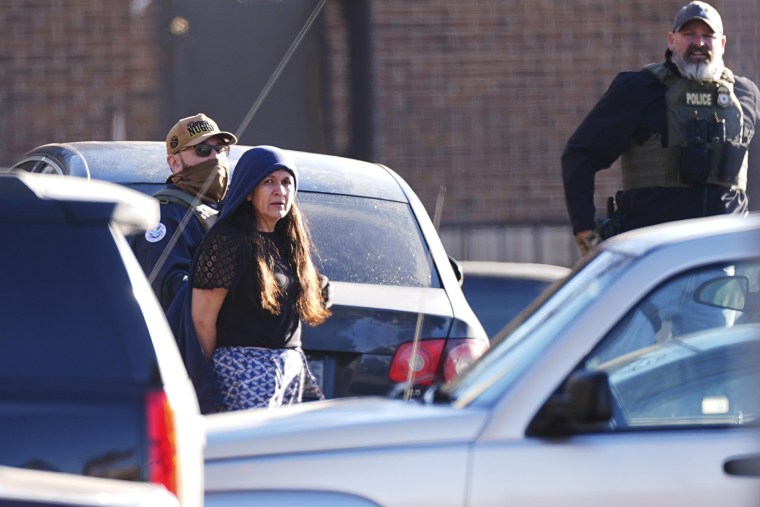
310, 303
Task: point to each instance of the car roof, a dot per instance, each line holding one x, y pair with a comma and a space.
128, 162
37, 197
521, 270
646, 239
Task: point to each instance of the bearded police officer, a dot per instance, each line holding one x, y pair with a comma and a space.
682, 130
197, 157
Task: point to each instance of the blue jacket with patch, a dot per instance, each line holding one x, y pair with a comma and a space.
149, 247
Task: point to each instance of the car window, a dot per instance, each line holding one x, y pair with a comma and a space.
523, 340
40, 165
687, 354
365, 240
65, 303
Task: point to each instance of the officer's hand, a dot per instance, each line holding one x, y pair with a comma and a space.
587, 240
326, 290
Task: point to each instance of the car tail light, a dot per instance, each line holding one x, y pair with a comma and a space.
162, 449
461, 354
434, 359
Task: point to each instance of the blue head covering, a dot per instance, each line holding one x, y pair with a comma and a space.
255, 165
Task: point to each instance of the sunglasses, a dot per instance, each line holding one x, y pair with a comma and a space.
204, 150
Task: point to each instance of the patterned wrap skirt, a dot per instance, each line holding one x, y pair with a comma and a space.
252, 377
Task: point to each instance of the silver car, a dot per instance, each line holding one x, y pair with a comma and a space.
632, 382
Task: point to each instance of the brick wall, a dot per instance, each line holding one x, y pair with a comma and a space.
76, 70
478, 96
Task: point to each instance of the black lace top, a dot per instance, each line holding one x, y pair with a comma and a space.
226, 261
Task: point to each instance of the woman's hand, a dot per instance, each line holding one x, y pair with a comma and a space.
327, 291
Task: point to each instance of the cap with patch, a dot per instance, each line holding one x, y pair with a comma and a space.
698, 10
194, 130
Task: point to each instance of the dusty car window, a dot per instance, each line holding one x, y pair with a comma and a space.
367, 241
688, 352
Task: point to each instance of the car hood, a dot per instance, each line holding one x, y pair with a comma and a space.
337, 424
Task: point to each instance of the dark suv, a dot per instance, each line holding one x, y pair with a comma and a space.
392, 279
91, 382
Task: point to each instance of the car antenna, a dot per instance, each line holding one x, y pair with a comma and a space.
420, 315
243, 126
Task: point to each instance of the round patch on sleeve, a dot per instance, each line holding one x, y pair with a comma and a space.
157, 234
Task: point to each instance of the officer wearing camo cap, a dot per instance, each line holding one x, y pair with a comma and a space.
682, 129
196, 152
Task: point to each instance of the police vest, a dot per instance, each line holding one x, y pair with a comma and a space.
704, 143
205, 214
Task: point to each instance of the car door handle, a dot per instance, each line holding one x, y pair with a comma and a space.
745, 466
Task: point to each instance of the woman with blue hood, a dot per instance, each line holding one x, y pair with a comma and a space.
252, 282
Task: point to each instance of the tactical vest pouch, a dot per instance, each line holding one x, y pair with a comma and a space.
731, 162
696, 153
696, 161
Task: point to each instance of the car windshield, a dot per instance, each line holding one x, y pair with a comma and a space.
525, 338
365, 240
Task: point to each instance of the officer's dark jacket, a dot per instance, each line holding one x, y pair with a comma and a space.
633, 109
149, 247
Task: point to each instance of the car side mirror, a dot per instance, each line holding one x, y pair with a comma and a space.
458, 270
583, 403
727, 292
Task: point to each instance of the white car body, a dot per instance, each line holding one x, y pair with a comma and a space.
41, 488
501, 438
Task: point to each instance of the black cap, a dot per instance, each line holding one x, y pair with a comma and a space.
698, 10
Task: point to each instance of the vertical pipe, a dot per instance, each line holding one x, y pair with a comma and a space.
358, 16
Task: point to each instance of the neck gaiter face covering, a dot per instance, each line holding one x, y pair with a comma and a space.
193, 178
